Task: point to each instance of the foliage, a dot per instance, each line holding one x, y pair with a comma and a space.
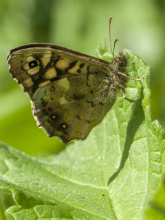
110, 175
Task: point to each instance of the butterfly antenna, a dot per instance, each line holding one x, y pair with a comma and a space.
112, 51
114, 46
110, 35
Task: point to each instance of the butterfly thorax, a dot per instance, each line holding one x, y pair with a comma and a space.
120, 75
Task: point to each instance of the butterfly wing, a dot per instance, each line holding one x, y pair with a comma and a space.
70, 92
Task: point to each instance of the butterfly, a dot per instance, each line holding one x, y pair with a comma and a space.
70, 92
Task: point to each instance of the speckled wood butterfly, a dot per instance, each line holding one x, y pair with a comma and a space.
70, 92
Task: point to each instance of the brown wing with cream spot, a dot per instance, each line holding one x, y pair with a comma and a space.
69, 91
36, 65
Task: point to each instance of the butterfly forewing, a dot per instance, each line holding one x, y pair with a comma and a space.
35, 64
70, 92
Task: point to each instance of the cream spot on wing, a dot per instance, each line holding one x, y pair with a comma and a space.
34, 70
46, 58
31, 71
62, 64
30, 59
76, 67
26, 66
28, 82
63, 100
44, 83
64, 83
51, 73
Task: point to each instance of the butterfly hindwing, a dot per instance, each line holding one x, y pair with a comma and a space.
71, 111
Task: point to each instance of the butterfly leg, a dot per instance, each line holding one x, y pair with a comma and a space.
129, 99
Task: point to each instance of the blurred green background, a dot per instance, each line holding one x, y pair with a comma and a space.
79, 25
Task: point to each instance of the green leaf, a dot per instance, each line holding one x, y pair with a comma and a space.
156, 207
102, 53
110, 175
